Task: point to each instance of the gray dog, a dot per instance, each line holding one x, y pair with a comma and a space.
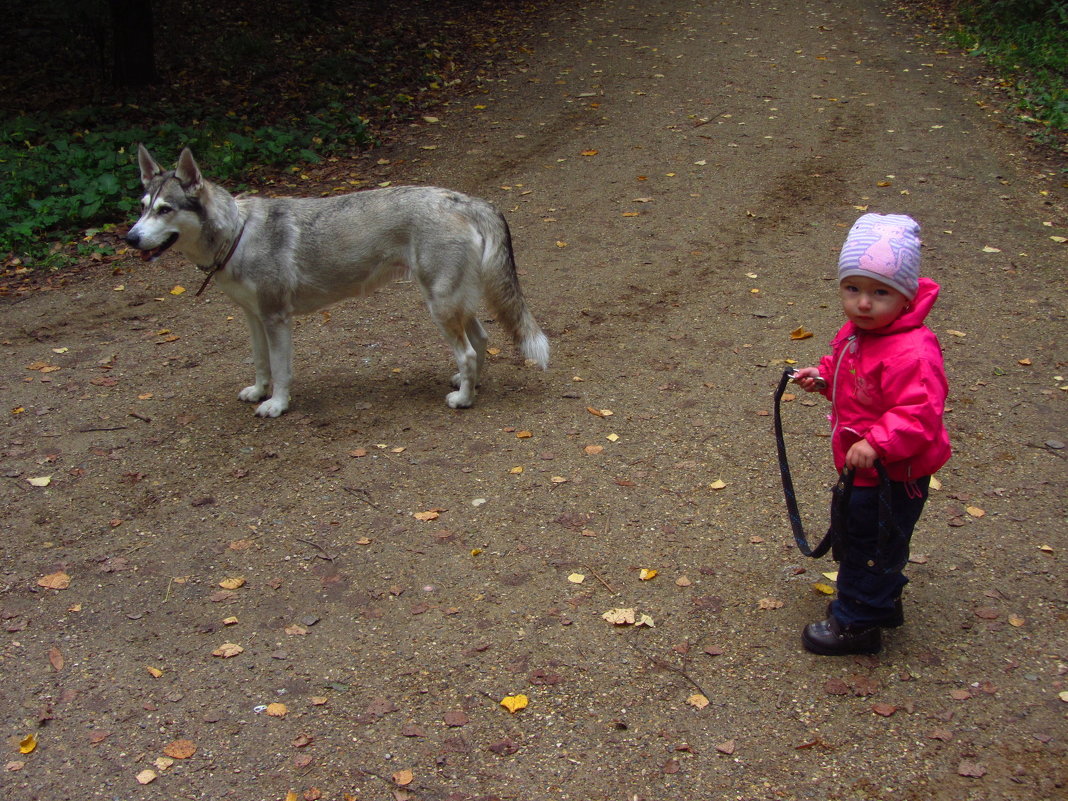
277, 257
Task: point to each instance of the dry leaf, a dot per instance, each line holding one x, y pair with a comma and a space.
28, 744
54, 581
823, 589
426, 516
800, 333
180, 749
973, 770
593, 450
769, 603
154, 672
645, 620
402, 778
277, 710
974, 511
55, 659
576, 578
40, 481
884, 710
146, 776
697, 700
523, 434
232, 583
989, 249
718, 484
599, 412
646, 574
513, 703
620, 617
727, 748
227, 650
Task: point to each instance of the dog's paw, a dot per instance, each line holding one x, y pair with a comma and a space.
460, 399
273, 407
252, 394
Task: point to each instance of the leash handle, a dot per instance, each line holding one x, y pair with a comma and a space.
843, 490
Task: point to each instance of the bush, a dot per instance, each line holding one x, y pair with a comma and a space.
59, 177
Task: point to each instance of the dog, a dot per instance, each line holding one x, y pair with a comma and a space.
279, 257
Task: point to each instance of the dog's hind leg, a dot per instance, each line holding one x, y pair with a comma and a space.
478, 338
468, 359
261, 360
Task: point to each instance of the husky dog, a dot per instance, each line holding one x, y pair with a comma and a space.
277, 257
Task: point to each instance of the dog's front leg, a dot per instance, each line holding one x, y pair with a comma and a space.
261, 360
278, 328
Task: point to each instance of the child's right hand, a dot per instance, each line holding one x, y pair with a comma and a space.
809, 379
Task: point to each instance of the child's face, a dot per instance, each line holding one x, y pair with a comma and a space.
870, 304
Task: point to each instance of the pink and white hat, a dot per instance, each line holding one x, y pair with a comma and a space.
885, 247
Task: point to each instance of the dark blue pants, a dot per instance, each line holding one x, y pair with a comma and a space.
870, 582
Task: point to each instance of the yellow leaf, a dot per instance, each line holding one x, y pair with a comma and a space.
612, 437
800, 333
515, 471
645, 620
426, 516
935, 483
697, 700
974, 511
513, 703
1017, 621
232, 583
41, 481
832, 576
277, 710
146, 776
646, 574
292, 796
955, 333
825, 589
718, 484
1024, 362
476, 551
402, 778
589, 152
523, 434
989, 249
178, 290
154, 672
27, 744
558, 480
576, 578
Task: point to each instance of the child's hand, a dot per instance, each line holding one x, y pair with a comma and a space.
808, 378
861, 455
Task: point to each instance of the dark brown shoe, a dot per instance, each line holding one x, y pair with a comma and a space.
829, 638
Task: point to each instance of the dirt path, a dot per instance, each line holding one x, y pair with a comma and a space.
678, 177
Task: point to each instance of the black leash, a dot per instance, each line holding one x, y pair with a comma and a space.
843, 489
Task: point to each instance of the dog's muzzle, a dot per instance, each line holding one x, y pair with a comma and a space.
150, 254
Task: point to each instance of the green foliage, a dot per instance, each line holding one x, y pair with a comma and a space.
59, 176
1026, 41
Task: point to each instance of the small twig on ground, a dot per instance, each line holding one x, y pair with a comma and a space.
597, 576
362, 494
660, 663
323, 555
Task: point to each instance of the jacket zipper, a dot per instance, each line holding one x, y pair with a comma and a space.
834, 384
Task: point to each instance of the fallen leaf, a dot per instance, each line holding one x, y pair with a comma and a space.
974, 511
884, 710
180, 749
146, 776
646, 574
54, 581
718, 484
154, 672
645, 620
524, 434
973, 770
769, 603
178, 290
1017, 621
989, 249
823, 589
426, 516
402, 778
727, 747
232, 583
40, 481
800, 333
697, 700
576, 578
513, 703
28, 744
227, 650
456, 718
599, 412
55, 659
620, 617
593, 450
277, 710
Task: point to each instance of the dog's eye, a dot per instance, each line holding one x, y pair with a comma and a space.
164, 210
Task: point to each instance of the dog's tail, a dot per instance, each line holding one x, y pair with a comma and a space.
504, 295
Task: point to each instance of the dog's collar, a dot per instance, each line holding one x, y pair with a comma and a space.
220, 265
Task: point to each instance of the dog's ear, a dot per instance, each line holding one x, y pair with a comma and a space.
188, 173
149, 168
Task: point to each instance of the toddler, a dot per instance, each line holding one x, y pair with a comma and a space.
887, 387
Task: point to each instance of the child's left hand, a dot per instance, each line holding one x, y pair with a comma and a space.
861, 455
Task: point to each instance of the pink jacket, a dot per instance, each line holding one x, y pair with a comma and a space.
889, 387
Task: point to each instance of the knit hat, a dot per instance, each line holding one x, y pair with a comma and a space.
885, 247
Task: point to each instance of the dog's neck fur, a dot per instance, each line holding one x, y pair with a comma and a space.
220, 228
